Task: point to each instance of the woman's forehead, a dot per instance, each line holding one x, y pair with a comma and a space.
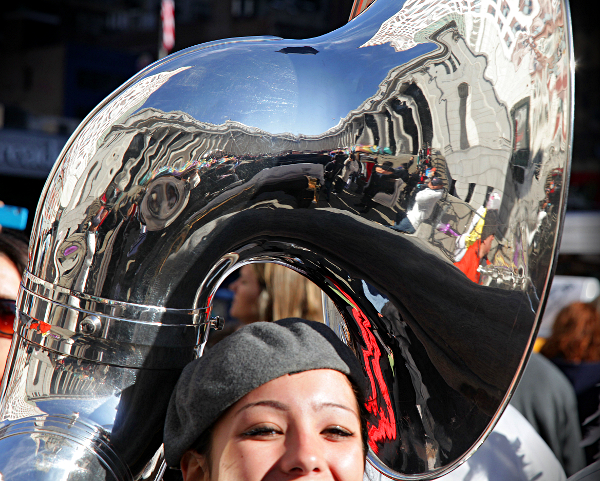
315, 386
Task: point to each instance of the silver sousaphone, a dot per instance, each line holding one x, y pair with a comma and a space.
219, 156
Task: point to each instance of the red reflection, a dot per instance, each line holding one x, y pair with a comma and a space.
41, 326
209, 306
386, 428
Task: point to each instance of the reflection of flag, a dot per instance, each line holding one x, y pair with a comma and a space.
167, 14
359, 6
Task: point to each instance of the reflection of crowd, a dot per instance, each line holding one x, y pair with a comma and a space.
412, 192
424, 202
475, 243
383, 179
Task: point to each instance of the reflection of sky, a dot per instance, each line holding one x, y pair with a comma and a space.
374, 296
252, 83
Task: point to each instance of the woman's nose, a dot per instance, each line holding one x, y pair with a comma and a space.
303, 454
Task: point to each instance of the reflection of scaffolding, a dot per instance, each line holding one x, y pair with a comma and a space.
16, 406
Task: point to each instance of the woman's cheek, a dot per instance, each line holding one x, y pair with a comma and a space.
254, 459
347, 461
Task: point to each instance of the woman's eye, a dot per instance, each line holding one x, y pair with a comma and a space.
261, 431
337, 432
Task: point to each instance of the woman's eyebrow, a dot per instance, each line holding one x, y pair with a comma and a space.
321, 405
272, 404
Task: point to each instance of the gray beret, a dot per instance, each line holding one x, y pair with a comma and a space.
243, 361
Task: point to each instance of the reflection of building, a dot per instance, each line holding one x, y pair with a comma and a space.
505, 44
473, 129
453, 108
416, 20
45, 380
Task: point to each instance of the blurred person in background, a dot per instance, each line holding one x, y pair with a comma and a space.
247, 289
574, 346
546, 398
264, 292
13, 260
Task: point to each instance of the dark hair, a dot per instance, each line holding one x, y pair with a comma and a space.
203, 444
575, 334
14, 246
363, 415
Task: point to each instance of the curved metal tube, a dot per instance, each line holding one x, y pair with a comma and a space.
218, 156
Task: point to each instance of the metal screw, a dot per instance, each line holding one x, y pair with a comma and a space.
90, 325
217, 323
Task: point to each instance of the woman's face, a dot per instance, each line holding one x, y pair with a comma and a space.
10, 280
246, 290
297, 426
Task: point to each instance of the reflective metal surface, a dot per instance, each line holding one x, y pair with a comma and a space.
263, 149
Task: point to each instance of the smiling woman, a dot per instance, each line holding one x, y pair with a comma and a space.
272, 401
293, 425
